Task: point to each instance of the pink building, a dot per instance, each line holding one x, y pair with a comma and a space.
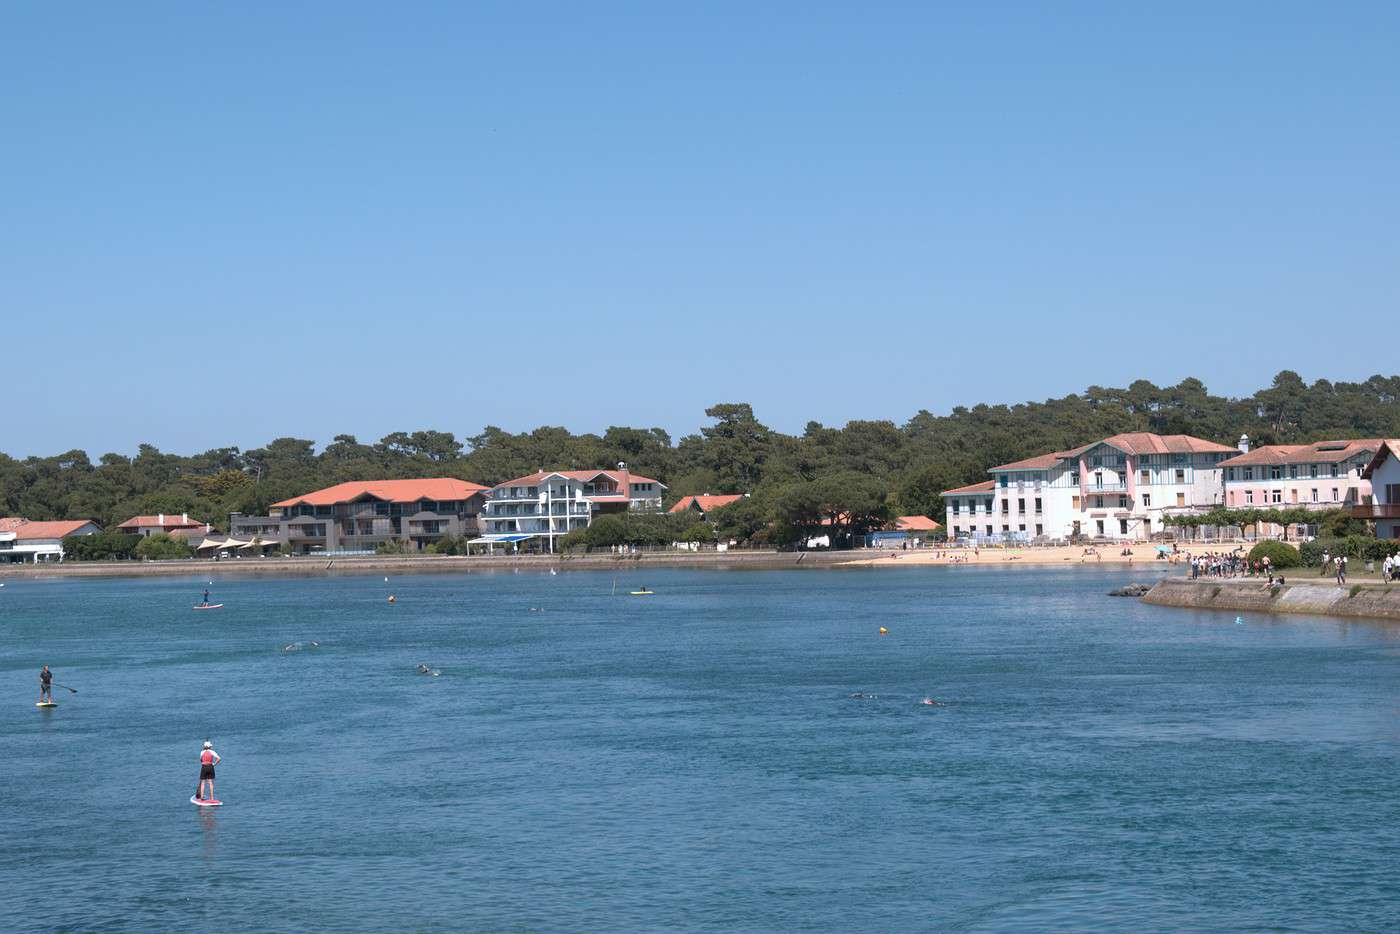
1321, 475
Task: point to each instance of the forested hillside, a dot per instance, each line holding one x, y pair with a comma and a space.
866, 467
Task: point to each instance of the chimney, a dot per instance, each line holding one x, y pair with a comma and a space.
160, 518
1244, 444
185, 518
625, 483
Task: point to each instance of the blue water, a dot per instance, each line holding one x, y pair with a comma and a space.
693, 760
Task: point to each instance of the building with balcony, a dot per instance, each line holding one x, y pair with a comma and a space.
23, 540
181, 526
1321, 475
537, 510
357, 517
1383, 473
1119, 488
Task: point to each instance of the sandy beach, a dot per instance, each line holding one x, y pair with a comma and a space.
1139, 554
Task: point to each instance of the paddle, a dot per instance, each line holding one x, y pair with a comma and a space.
65, 687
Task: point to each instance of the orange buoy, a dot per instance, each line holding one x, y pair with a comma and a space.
884, 631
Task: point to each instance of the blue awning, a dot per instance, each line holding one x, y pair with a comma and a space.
499, 539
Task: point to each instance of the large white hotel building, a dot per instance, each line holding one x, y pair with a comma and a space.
1119, 488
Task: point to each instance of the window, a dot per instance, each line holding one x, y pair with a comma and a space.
1021, 505
1122, 526
1039, 529
1098, 479
1249, 473
1314, 494
1293, 471
1146, 500
1074, 478
1249, 497
989, 512
1392, 493
1074, 502
1098, 502
1122, 502
1312, 471
1005, 528
953, 506
989, 530
1144, 477
1335, 497
1099, 522
1181, 476
1276, 496
1275, 472
1096, 461
1037, 505
1334, 473
1001, 481
1021, 527
1005, 506
957, 530
1229, 473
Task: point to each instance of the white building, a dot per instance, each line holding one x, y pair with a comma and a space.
1383, 473
548, 505
1119, 488
22, 540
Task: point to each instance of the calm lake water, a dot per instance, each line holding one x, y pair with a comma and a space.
694, 760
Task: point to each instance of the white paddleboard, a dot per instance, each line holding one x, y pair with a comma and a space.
42, 704
206, 802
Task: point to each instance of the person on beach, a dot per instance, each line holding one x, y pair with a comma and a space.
208, 758
45, 685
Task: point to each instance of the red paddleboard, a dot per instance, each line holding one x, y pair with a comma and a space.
210, 606
206, 802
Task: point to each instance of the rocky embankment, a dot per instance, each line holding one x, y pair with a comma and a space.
1371, 600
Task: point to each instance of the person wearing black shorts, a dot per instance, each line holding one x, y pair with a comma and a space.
45, 686
208, 758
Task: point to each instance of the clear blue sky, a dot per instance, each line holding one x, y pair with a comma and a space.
225, 223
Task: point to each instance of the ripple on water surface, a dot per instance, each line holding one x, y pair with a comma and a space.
742, 750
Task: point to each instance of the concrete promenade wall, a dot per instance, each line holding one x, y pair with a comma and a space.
429, 564
1371, 600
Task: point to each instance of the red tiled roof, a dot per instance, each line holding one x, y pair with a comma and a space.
1145, 442
584, 475
916, 524
155, 522
1390, 447
1043, 462
25, 530
986, 486
1319, 452
442, 489
705, 502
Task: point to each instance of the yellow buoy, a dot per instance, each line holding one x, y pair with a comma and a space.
884, 631
391, 598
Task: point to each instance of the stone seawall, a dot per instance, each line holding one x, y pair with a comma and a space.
429, 564
1370, 600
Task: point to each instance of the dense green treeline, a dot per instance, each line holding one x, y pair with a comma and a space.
868, 469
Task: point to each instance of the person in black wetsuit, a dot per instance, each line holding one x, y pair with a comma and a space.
45, 685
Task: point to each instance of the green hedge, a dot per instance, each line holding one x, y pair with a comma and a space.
1280, 554
1356, 547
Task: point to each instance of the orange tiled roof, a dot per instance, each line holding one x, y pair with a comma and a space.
986, 486
25, 530
1319, 452
170, 522
1145, 442
1043, 462
916, 524
443, 489
706, 502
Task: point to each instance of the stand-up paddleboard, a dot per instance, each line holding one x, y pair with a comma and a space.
643, 593
206, 802
46, 704
209, 606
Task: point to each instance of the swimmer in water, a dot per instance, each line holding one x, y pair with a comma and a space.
929, 702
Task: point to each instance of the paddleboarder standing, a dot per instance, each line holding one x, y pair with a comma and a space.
208, 758
45, 685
